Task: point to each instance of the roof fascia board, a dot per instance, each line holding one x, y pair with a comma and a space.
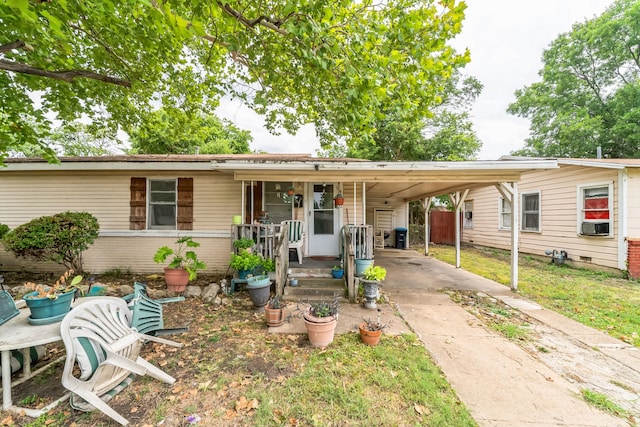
498, 165
588, 163
107, 166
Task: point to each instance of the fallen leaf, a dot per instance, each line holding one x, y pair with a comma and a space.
133, 410
8, 420
230, 414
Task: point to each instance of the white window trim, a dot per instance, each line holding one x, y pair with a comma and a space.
148, 207
467, 223
502, 226
580, 203
522, 212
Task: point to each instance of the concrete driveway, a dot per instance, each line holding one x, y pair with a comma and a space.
499, 382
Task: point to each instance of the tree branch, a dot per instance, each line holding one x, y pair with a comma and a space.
18, 44
262, 20
67, 75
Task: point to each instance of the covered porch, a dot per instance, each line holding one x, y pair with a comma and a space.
375, 194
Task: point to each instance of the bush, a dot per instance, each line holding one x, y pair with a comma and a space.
60, 238
4, 229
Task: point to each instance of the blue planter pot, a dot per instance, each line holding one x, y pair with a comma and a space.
43, 308
337, 274
242, 274
258, 281
362, 264
259, 288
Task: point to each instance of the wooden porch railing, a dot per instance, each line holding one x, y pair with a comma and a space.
349, 262
265, 236
282, 260
362, 240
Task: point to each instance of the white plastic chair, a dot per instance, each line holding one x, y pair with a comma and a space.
296, 235
98, 338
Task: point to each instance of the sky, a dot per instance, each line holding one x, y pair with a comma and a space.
506, 39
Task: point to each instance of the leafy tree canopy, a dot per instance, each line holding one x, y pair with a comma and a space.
448, 135
338, 64
589, 95
176, 132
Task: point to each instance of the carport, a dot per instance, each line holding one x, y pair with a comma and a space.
407, 181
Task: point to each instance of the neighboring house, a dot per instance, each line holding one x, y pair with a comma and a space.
587, 211
143, 202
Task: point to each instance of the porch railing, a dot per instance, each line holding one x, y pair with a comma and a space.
362, 240
265, 236
282, 260
349, 262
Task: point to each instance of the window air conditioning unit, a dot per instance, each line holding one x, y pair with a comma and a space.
468, 214
595, 228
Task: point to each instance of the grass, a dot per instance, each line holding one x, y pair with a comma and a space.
603, 403
603, 301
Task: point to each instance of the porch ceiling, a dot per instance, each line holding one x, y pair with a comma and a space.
405, 180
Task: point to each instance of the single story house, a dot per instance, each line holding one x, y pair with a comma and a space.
145, 201
585, 212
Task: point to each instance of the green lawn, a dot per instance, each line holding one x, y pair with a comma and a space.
600, 300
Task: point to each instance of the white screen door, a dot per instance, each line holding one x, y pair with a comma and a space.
324, 221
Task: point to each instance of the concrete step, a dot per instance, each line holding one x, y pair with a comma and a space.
314, 288
310, 272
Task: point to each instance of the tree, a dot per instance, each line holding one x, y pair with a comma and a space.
589, 95
448, 135
167, 131
337, 64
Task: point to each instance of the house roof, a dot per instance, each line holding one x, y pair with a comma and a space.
406, 180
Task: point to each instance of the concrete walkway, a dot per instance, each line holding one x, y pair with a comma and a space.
499, 382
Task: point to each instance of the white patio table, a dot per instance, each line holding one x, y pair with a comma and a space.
19, 334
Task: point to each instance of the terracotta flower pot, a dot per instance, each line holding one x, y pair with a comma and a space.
320, 332
274, 316
371, 338
176, 279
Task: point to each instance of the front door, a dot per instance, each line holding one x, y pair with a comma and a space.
324, 221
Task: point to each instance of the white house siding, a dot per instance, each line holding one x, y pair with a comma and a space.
349, 215
558, 216
28, 195
633, 203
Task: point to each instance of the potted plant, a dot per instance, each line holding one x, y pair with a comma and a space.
269, 267
244, 262
49, 304
244, 243
371, 331
321, 319
371, 279
259, 288
337, 272
274, 311
338, 200
184, 263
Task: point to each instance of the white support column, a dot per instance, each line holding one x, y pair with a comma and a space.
355, 202
364, 203
515, 216
458, 200
426, 205
242, 204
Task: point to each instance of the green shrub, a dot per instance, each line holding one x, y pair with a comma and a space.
60, 238
4, 229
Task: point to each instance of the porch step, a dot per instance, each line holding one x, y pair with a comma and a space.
314, 289
310, 272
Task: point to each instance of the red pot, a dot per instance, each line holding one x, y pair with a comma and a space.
176, 279
371, 338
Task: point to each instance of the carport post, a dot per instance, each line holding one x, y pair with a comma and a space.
457, 200
426, 205
509, 191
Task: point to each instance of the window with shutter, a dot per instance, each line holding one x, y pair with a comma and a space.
168, 202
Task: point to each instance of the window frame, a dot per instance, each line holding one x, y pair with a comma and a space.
468, 207
580, 208
502, 214
523, 213
151, 204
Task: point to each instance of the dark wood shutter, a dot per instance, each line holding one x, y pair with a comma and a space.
185, 204
138, 204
